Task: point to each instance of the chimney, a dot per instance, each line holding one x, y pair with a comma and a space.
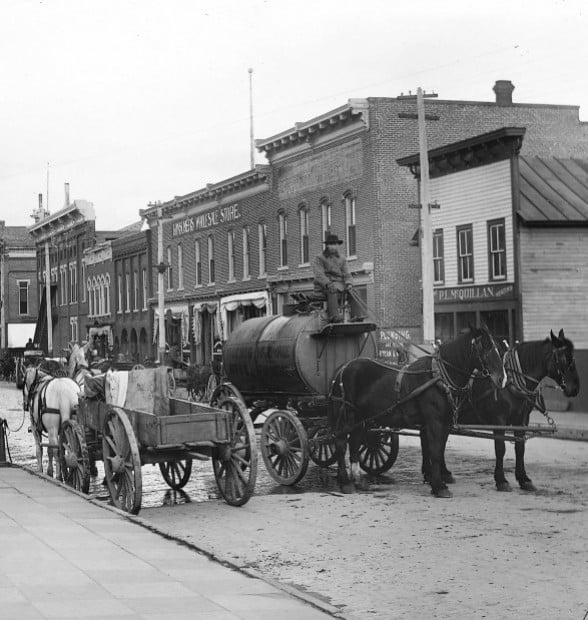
40, 202
67, 194
503, 90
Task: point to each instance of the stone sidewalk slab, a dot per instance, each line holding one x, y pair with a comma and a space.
63, 556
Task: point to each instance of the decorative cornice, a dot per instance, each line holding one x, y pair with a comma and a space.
212, 193
480, 150
350, 114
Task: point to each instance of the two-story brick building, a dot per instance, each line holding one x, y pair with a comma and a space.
337, 172
18, 287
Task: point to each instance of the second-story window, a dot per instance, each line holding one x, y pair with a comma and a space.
135, 290
198, 262
169, 281
73, 283
349, 201
180, 267
438, 257
304, 238
283, 238
211, 263
107, 294
128, 291
23, 297
262, 238
246, 254
465, 254
120, 293
231, 254
83, 280
325, 218
145, 293
496, 250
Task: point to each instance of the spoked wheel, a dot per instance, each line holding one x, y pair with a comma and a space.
378, 452
321, 446
235, 463
225, 390
122, 462
284, 447
73, 456
176, 473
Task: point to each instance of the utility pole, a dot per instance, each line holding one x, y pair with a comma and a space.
48, 301
426, 231
161, 268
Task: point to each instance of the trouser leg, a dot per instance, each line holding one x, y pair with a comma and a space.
333, 305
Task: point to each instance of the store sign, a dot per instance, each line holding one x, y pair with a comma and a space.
467, 294
208, 219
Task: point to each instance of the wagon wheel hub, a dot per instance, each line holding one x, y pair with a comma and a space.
224, 453
281, 447
71, 459
117, 464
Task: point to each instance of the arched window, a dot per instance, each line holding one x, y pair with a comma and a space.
168, 272
198, 262
180, 266
262, 239
89, 297
231, 254
283, 238
326, 217
246, 253
350, 231
303, 219
107, 293
211, 263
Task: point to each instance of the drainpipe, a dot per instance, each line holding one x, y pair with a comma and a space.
48, 301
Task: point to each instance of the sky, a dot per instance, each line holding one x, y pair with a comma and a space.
135, 101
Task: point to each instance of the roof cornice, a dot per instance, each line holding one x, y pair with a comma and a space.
477, 151
354, 111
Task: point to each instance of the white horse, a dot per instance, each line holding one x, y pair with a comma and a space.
50, 401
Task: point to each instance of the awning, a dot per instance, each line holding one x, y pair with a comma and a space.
178, 311
259, 299
103, 330
41, 338
18, 334
199, 308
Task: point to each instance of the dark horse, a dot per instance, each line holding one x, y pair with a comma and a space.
424, 394
527, 364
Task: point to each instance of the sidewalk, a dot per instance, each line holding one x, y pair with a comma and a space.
63, 556
570, 424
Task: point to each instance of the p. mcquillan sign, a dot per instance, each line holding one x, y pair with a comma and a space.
474, 293
208, 219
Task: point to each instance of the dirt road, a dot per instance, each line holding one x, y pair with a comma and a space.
396, 552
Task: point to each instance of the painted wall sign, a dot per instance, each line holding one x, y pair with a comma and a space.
473, 293
208, 219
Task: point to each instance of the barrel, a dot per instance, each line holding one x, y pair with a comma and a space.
290, 355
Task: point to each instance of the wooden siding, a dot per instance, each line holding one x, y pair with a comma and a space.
554, 283
473, 197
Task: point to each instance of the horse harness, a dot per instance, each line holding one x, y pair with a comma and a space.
38, 390
518, 381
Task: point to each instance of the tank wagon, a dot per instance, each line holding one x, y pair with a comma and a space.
284, 367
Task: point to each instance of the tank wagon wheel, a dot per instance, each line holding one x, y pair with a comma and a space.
284, 447
73, 456
225, 390
378, 452
176, 473
122, 462
321, 447
235, 463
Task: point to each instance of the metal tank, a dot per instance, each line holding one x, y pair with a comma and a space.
294, 356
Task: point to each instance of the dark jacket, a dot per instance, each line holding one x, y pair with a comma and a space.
329, 268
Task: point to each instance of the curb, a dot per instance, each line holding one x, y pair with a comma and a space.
247, 571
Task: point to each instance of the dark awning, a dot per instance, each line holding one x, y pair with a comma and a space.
40, 338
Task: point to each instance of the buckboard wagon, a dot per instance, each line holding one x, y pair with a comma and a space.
132, 421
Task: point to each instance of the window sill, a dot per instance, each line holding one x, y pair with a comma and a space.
304, 265
283, 268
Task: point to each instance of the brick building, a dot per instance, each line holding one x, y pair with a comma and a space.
130, 333
336, 172
18, 287
64, 236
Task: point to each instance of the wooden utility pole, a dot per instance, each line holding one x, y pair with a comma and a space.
426, 230
161, 268
48, 302
251, 139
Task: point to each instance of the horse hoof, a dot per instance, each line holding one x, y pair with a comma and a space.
347, 488
442, 493
527, 486
503, 487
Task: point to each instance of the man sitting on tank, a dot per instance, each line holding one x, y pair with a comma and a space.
331, 276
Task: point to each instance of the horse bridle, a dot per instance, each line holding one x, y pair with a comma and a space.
478, 348
557, 354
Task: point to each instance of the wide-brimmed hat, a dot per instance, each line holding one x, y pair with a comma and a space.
332, 240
